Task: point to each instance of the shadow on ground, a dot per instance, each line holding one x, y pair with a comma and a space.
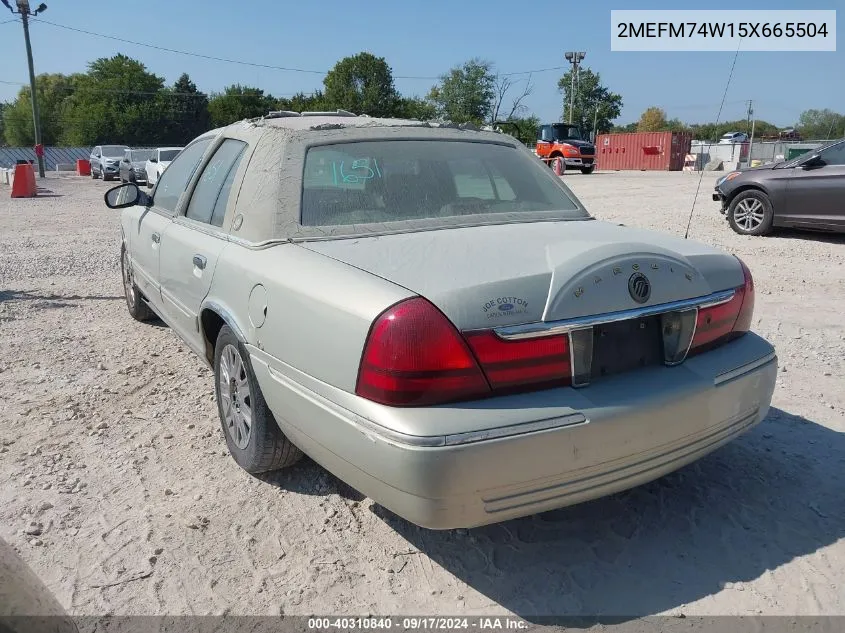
815, 236
775, 494
23, 295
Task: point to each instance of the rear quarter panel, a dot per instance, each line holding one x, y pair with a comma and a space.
318, 311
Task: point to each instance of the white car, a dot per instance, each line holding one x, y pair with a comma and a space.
733, 137
159, 162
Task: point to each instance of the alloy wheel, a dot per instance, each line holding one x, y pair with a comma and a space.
235, 396
749, 214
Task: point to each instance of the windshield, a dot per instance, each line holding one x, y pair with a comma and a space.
388, 181
567, 133
114, 150
141, 154
167, 154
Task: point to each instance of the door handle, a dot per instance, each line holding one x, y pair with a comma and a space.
156, 238
199, 261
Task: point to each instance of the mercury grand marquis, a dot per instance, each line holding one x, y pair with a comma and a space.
434, 317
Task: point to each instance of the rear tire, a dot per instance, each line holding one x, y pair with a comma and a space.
94, 175
135, 303
252, 434
750, 213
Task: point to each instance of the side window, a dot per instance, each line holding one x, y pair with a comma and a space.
175, 178
834, 155
208, 202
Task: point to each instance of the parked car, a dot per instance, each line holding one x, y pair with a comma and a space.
807, 192
133, 165
732, 138
789, 134
435, 317
105, 161
157, 163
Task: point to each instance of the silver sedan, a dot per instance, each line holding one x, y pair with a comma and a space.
434, 317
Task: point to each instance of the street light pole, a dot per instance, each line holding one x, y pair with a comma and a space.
23, 10
574, 58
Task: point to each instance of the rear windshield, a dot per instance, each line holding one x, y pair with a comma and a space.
142, 154
389, 181
113, 150
168, 154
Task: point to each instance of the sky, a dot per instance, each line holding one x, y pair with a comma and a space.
422, 40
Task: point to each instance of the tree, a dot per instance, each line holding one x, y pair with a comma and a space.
301, 102
238, 102
592, 101
821, 124
416, 108
652, 120
362, 84
523, 129
3, 106
52, 90
186, 109
502, 86
466, 94
117, 101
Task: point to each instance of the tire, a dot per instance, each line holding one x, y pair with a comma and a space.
750, 213
106, 178
139, 310
588, 170
260, 446
94, 175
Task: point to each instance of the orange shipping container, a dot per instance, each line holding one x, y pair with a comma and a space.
654, 151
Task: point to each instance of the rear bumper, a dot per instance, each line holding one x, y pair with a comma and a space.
621, 432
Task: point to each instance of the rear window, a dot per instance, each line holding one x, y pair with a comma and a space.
390, 181
142, 154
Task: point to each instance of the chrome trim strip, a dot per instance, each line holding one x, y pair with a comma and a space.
533, 330
516, 429
744, 369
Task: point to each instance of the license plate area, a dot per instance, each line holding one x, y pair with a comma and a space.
626, 346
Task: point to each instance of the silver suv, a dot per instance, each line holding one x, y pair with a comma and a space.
105, 161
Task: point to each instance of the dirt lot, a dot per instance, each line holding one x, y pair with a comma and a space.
112, 448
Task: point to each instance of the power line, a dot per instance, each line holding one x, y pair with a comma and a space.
9, 21
261, 65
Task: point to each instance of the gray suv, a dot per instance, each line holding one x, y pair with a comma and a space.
105, 161
133, 165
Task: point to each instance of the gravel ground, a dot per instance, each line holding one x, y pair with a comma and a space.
117, 489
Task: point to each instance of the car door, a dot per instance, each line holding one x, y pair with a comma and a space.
193, 243
816, 193
151, 223
125, 166
95, 159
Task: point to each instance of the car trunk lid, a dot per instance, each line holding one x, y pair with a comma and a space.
509, 274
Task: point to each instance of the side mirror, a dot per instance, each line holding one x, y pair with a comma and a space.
126, 195
154, 159
815, 160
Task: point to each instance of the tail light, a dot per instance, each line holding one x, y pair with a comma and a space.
414, 356
512, 364
719, 324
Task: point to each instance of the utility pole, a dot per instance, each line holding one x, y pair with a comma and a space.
23, 10
751, 122
574, 58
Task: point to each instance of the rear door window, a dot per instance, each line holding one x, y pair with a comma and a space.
208, 201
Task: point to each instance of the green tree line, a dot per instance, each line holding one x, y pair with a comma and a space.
118, 100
